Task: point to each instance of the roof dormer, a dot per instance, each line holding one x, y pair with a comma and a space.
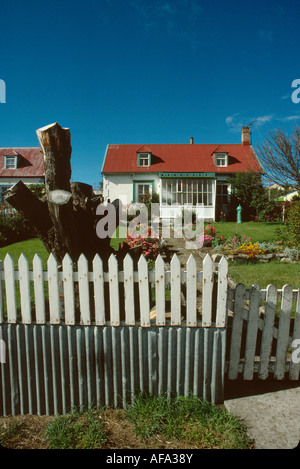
144, 156
221, 159
11, 160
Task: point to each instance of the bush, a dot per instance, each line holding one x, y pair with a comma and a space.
14, 228
293, 224
150, 247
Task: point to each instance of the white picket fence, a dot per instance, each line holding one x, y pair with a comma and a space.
86, 336
126, 339
265, 324
63, 280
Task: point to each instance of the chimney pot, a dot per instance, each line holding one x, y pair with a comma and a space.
191, 140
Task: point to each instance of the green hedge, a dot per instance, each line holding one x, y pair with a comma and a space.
14, 228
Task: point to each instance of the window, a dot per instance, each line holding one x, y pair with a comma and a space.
144, 159
3, 189
143, 191
222, 194
10, 162
191, 191
221, 159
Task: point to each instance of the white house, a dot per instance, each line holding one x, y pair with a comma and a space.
193, 175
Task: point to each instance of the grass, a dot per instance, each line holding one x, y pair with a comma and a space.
256, 231
273, 272
77, 430
188, 420
6, 435
28, 248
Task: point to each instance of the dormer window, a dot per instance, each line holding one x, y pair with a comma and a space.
10, 162
221, 159
144, 159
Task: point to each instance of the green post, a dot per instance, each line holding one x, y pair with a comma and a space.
239, 214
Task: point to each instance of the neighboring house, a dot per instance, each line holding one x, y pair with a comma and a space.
288, 197
26, 164
181, 174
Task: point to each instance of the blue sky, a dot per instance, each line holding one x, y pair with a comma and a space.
135, 71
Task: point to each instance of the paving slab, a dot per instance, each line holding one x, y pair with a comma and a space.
272, 419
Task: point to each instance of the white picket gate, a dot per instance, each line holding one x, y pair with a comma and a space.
265, 325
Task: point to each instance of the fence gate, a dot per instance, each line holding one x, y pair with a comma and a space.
96, 338
263, 331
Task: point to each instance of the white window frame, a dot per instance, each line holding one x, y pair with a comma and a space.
145, 158
13, 159
221, 157
194, 191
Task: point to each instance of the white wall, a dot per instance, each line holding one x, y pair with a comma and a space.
121, 185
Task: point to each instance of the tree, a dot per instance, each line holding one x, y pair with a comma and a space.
65, 219
246, 190
279, 156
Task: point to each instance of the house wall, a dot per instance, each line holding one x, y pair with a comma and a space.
123, 186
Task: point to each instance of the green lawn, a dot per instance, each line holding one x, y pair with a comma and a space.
274, 272
256, 231
28, 248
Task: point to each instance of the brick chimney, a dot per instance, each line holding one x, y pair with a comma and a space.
245, 136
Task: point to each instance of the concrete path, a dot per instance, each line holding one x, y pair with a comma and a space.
272, 418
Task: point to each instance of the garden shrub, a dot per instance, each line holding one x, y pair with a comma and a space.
14, 228
149, 247
293, 224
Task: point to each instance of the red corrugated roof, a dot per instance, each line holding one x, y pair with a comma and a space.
30, 162
180, 158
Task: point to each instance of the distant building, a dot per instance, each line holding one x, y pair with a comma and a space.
25, 164
193, 175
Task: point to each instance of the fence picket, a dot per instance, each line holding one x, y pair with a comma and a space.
10, 289
144, 292
251, 336
267, 333
221, 316
98, 279
295, 367
84, 290
24, 289
129, 290
114, 291
283, 331
54, 300
69, 297
207, 291
191, 291
175, 291
160, 291
236, 333
38, 285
